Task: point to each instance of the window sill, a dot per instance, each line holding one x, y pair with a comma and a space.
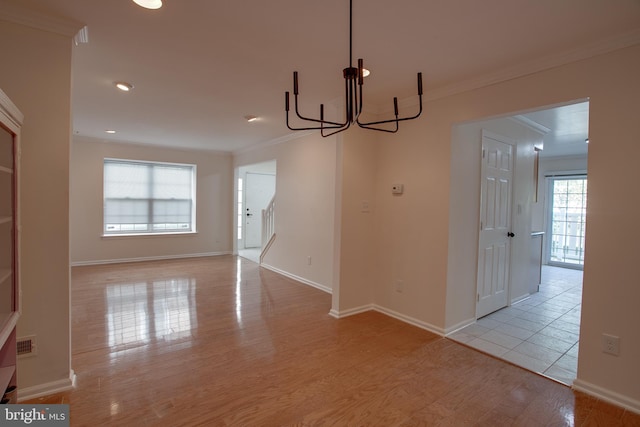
127, 235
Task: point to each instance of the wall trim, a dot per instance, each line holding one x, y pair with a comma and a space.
341, 314
452, 329
41, 390
93, 140
388, 312
275, 141
298, 278
40, 21
150, 258
607, 395
410, 320
600, 47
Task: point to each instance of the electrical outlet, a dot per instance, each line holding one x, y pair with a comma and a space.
611, 344
399, 286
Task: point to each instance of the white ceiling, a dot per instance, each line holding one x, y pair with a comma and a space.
200, 66
566, 129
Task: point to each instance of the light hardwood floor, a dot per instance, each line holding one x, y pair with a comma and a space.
220, 341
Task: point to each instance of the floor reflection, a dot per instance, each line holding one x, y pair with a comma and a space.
161, 310
239, 291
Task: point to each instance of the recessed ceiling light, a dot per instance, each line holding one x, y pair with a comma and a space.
124, 86
149, 4
110, 131
251, 118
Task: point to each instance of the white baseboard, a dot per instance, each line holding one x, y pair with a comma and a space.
350, 312
451, 329
520, 299
150, 258
297, 278
40, 390
607, 395
388, 312
410, 320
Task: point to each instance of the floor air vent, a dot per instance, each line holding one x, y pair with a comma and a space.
27, 346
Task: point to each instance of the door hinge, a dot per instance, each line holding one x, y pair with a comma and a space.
483, 152
478, 297
481, 226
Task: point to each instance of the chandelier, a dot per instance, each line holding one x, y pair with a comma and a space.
353, 83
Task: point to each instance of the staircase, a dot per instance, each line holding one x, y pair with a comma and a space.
268, 227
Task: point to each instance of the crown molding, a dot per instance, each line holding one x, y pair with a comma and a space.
600, 47
530, 124
275, 141
12, 12
81, 139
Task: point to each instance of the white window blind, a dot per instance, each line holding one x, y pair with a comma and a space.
145, 197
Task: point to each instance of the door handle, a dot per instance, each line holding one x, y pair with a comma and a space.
510, 234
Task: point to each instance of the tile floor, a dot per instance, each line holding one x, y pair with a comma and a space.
540, 333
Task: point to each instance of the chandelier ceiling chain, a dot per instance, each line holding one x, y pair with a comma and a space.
353, 83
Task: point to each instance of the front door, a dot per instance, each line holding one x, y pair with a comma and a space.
495, 223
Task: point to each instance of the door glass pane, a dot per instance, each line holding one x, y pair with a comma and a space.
568, 216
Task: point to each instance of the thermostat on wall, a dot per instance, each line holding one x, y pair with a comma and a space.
397, 189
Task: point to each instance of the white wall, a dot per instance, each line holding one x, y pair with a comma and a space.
36, 75
420, 155
305, 204
355, 285
214, 205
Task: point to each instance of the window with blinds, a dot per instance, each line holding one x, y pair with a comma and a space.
147, 197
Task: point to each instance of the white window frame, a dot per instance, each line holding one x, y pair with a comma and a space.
550, 176
150, 231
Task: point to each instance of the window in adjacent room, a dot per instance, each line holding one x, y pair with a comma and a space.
568, 219
148, 197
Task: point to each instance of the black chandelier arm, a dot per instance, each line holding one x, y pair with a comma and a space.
331, 124
300, 116
396, 120
366, 126
324, 135
369, 125
321, 120
320, 128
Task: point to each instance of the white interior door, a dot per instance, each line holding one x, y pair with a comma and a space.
495, 223
259, 189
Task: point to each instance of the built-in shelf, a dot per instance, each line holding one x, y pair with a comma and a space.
6, 374
10, 123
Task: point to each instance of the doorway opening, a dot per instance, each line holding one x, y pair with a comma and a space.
255, 188
539, 328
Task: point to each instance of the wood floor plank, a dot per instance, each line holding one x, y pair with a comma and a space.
218, 341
